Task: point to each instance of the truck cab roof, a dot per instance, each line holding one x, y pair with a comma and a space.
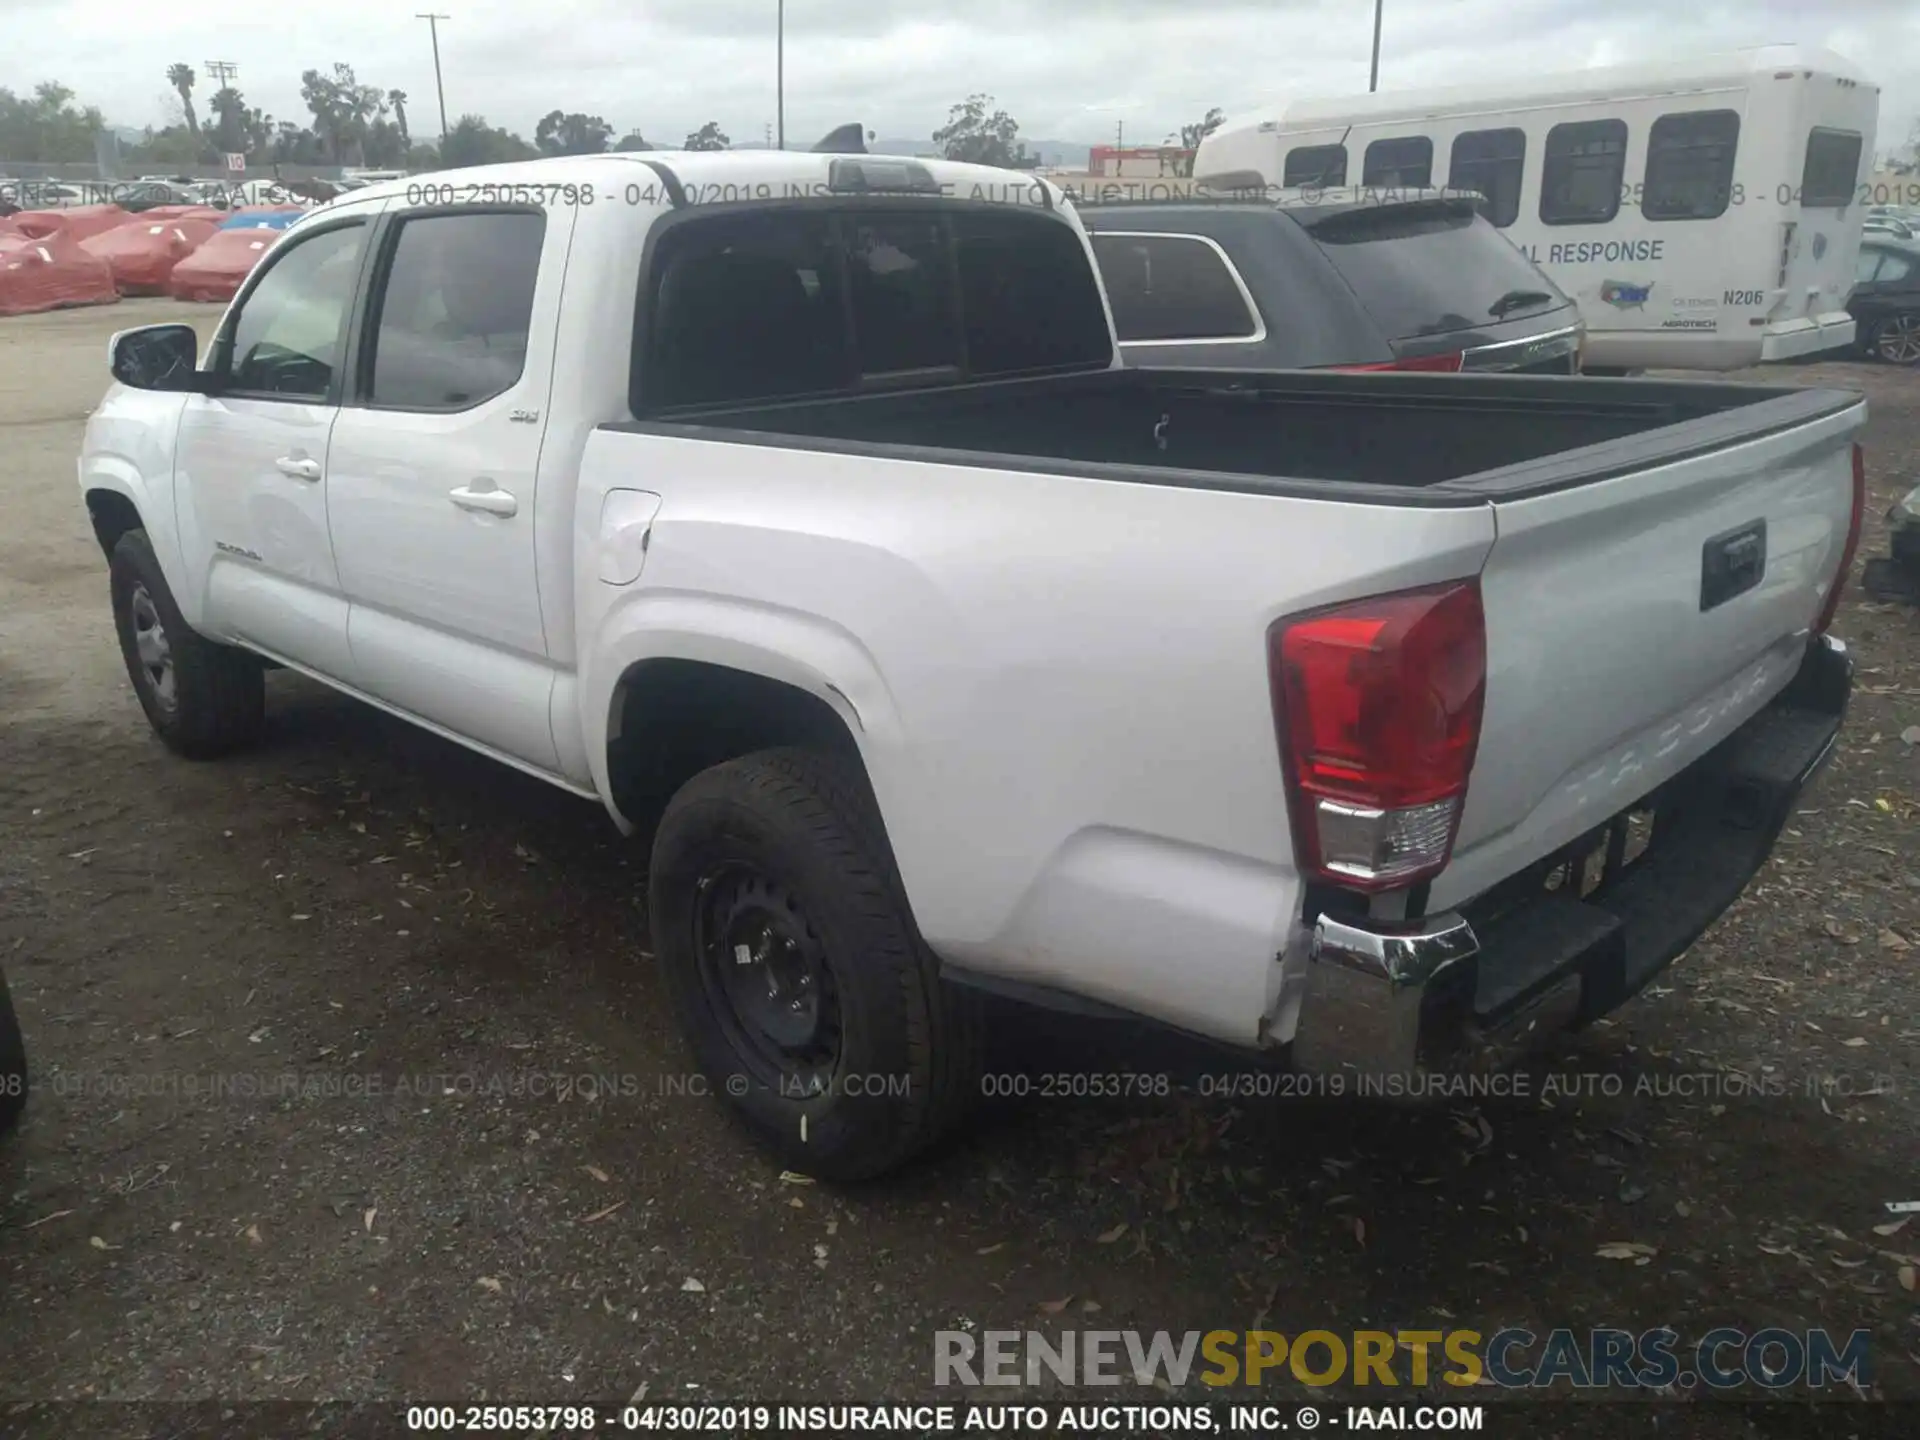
700, 174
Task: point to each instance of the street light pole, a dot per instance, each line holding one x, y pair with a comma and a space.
1373, 80
439, 89
780, 69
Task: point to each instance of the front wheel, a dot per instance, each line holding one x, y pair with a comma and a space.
203, 699
1896, 340
796, 971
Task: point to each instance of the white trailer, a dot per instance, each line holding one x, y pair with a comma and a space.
1704, 213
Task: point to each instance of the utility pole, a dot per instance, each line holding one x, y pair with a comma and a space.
221, 70
1373, 80
433, 25
780, 68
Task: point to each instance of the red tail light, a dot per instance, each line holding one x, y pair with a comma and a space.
1448, 364
1377, 704
1854, 524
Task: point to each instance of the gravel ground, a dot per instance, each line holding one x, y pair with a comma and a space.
392, 919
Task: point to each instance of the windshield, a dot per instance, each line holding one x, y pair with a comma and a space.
1421, 270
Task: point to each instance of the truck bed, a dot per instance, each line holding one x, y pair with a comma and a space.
1398, 438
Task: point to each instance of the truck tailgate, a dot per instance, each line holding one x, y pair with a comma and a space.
1634, 621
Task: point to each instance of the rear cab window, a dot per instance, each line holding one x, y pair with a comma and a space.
797, 300
1430, 268
1168, 288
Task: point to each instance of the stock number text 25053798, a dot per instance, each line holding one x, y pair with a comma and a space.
634, 192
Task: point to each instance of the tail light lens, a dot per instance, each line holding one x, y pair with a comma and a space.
1449, 364
1377, 705
1847, 552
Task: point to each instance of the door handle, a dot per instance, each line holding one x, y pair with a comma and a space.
492, 500
297, 468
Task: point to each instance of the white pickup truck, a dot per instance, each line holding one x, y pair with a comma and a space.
798, 508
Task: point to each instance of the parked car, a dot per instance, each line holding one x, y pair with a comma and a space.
1886, 299
13, 1062
1886, 225
1414, 280
825, 540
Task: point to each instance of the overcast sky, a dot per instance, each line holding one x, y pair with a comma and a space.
1065, 69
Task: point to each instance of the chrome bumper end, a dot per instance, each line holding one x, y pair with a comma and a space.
1366, 984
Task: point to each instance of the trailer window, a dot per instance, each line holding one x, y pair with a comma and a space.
1690, 165
1172, 287
1580, 182
1493, 163
1405, 162
1832, 169
1315, 166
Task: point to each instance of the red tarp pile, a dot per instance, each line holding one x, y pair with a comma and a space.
50, 273
182, 212
143, 253
80, 222
215, 270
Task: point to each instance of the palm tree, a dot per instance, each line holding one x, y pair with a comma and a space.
398, 99
180, 75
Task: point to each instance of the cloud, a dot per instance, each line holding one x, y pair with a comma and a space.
1067, 69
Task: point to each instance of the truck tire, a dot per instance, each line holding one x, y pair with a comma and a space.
13, 1062
202, 698
796, 971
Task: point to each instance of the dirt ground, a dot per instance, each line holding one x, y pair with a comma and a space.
429, 944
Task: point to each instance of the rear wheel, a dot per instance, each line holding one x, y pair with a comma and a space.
1896, 340
203, 699
794, 966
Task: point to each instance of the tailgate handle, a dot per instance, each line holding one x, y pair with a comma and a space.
1732, 564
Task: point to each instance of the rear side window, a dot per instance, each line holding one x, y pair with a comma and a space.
1690, 165
1831, 170
1492, 162
1580, 180
1893, 267
1405, 162
453, 315
1315, 167
1172, 287
784, 302
1428, 269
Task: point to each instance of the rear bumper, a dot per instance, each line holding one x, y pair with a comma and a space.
1547, 949
1813, 336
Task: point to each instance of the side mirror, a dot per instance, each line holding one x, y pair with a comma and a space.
156, 357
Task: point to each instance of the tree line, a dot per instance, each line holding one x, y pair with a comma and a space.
353, 123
